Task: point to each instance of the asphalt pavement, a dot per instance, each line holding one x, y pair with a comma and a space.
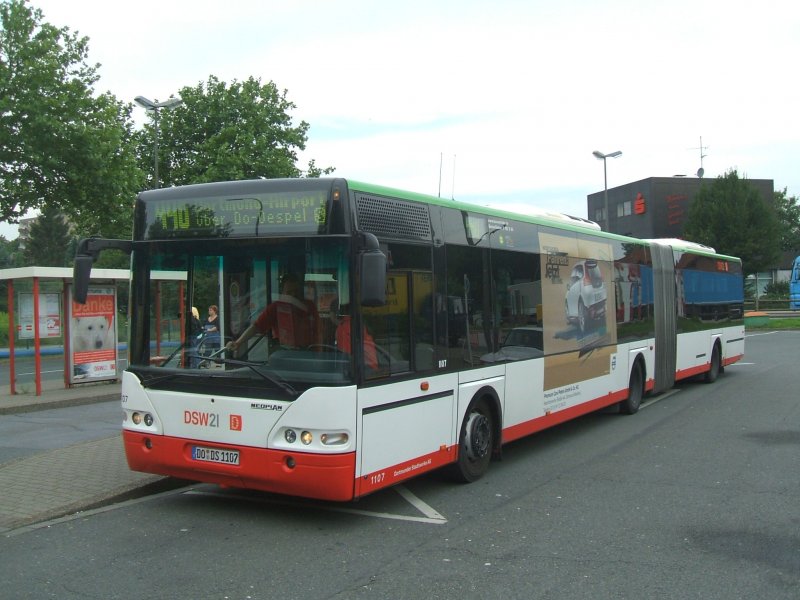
66, 480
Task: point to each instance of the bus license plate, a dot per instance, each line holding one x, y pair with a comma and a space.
215, 455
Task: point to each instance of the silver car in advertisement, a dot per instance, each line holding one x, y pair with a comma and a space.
586, 295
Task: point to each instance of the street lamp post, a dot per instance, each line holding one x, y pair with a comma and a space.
600, 156
149, 105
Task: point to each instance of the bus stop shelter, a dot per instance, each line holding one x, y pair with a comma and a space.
32, 324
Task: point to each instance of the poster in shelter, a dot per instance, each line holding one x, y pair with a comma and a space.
49, 316
93, 336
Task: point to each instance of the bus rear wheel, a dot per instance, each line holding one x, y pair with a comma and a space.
475, 443
632, 403
714, 369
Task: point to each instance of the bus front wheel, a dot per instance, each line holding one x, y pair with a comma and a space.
475, 443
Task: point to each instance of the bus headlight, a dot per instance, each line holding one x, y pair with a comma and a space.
139, 418
334, 439
306, 437
290, 435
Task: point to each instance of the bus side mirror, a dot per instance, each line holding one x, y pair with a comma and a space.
88, 251
373, 272
81, 273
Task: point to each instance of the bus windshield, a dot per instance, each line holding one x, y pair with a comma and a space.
246, 315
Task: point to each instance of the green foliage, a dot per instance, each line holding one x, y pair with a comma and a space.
48, 240
59, 144
731, 216
226, 132
4, 329
776, 290
788, 212
10, 254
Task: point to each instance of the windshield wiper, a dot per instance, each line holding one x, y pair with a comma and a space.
256, 368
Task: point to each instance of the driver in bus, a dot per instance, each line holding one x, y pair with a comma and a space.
292, 320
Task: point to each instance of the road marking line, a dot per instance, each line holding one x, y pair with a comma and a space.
87, 513
421, 506
659, 398
432, 518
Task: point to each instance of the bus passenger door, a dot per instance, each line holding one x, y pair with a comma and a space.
405, 428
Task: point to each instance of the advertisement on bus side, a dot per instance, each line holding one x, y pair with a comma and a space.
578, 300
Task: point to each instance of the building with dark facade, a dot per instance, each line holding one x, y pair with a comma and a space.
656, 207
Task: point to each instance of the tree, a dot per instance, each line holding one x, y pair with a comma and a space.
788, 213
48, 240
730, 215
59, 144
10, 255
226, 132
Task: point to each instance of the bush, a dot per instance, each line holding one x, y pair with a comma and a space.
3, 329
776, 290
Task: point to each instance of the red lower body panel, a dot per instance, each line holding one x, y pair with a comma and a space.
321, 476
562, 416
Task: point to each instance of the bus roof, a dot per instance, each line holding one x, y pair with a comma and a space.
540, 217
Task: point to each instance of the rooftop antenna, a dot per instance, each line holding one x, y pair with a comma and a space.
440, 175
701, 171
453, 186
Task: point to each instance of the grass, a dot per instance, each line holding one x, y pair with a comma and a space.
787, 323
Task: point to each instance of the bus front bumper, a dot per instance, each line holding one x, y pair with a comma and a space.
319, 476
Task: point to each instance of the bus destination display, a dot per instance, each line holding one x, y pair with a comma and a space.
304, 212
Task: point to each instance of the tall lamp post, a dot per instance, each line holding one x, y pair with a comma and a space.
149, 105
600, 156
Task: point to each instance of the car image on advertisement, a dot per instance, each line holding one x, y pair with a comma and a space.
586, 295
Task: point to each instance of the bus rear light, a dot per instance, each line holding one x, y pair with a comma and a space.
136, 418
306, 437
334, 439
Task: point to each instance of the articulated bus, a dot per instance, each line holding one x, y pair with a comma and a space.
432, 332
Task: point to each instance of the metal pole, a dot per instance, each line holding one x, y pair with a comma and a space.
155, 151
12, 332
37, 346
605, 194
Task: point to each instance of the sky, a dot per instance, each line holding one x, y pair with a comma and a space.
498, 103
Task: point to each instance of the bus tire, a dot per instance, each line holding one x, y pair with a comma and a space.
475, 443
715, 367
632, 403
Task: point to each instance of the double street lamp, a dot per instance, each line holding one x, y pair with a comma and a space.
600, 156
149, 105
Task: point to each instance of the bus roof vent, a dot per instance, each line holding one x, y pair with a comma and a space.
685, 244
563, 218
393, 218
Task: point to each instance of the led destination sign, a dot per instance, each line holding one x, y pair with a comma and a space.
262, 214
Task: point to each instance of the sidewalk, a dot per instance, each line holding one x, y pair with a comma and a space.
59, 482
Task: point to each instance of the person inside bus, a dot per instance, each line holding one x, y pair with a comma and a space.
211, 329
195, 333
342, 336
292, 320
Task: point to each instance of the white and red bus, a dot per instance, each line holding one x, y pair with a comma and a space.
467, 328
